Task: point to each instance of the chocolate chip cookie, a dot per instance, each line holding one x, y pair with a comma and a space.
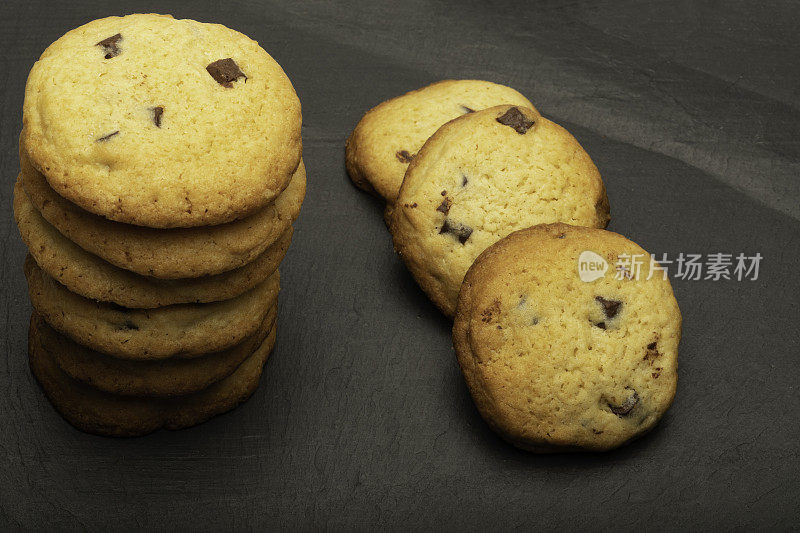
187, 330
170, 377
95, 411
389, 135
557, 361
481, 177
158, 122
88, 275
167, 254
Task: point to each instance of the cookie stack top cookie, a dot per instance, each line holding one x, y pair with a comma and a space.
159, 122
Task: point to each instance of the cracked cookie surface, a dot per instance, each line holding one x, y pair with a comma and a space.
149, 120
389, 135
481, 177
541, 370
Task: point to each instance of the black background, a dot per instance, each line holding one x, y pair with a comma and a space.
690, 110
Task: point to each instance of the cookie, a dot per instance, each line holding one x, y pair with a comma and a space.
158, 122
159, 379
89, 276
187, 330
389, 135
480, 177
560, 361
102, 413
167, 254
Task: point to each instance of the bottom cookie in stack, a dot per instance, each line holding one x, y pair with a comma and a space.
103, 413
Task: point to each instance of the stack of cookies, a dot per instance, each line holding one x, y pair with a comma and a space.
160, 176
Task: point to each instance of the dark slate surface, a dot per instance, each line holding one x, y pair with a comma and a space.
691, 110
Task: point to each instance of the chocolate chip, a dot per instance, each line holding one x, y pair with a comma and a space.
404, 156
467, 109
104, 138
462, 231
225, 72
516, 119
626, 407
444, 193
652, 352
610, 307
561, 235
601, 325
157, 112
109, 46
444, 207
464, 180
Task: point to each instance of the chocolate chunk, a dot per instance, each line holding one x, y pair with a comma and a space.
462, 231
610, 307
444, 207
109, 46
157, 112
652, 352
225, 72
467, 109
104, 138
464, 180
626, 407
516, 119
404, 156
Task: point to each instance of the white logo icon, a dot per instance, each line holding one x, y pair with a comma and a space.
591, 266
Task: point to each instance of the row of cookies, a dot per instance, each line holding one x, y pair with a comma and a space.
156, 196
474, 177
